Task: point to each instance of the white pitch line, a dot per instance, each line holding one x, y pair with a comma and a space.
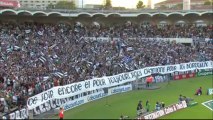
206, 105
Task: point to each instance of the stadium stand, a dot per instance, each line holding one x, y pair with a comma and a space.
37, 56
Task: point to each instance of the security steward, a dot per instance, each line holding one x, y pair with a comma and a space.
61, 114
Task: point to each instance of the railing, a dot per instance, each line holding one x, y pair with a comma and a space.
111, 11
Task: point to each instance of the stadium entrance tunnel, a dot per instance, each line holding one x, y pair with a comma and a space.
175, 17
113, 15
180, 22
8, 13
83, 15
159, 17
200, 23
160, 81
24, 13
98, 15
191, 17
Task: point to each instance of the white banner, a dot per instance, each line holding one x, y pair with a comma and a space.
164, 111
19, 114
210, 91
109, 81
120, 89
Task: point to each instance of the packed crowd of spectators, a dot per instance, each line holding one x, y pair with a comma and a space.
35, 57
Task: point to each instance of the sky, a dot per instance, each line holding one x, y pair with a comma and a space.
121, 3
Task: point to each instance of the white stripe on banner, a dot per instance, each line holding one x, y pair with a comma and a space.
109, 81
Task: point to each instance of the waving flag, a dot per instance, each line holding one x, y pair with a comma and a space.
126, 59
41, 33
42, 59
27, 31
61, 75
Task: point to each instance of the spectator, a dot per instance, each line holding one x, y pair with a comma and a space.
199, 91
140, 105
147, 106
162, 105
139, 108
180, 98
157, 106
1, 107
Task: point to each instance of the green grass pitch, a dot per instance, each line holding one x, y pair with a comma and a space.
126, 103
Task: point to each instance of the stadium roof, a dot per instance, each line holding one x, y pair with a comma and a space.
102, 14
177, 2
